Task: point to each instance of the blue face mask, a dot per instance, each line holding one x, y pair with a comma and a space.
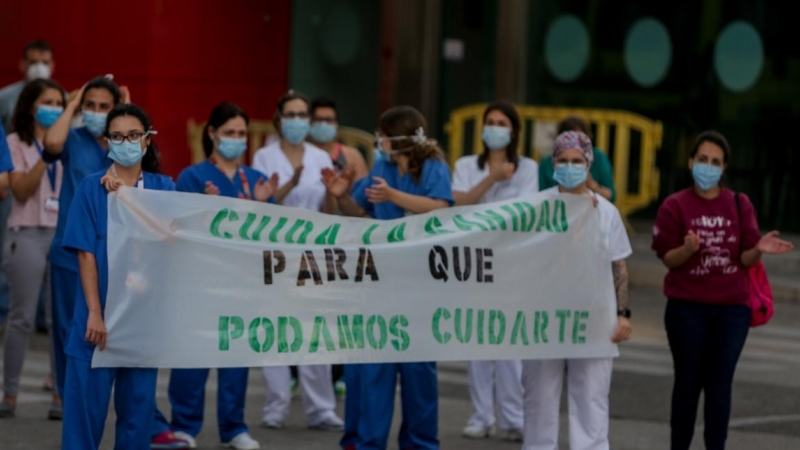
569, 176
47, 115
496, 138
706, 176
126, 154
322, 132
95, 122
379, 154
294, 130
231, 148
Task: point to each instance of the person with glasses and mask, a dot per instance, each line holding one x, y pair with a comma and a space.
322, 133
298, 165
87, 393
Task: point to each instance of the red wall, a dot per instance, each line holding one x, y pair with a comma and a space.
178, 57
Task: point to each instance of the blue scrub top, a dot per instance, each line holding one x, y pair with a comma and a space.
6, 165
193, 179
434, 182
82, 156
86, 230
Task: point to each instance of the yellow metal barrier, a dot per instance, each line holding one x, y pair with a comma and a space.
260, 129
630, 197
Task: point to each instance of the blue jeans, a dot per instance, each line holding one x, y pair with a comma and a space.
706, 341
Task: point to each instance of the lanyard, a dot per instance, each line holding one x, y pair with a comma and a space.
51, 168
242, 177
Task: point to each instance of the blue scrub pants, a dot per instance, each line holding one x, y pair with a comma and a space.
187, 391
352, 405
64, 285
86, 399
420, 397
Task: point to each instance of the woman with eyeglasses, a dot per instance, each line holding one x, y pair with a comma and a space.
409, 176
31, 225
222, 173
88, 390
82, 151
298, 165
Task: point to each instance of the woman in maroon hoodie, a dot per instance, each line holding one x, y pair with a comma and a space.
708, 242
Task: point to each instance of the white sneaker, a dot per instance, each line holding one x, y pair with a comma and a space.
242, 441
511, 435
477, 431
272, 424
186, 437
332, 423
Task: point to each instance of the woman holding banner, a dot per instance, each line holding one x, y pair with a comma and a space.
224, 142
298, 164
499, 173
88, 390
409, 176
589, 379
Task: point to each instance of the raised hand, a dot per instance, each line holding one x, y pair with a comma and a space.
110, 182
501, 173
335, 183
771, 245
266, 188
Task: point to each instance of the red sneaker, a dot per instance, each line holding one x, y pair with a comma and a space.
168, 440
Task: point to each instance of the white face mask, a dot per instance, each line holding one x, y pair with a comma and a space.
38, 70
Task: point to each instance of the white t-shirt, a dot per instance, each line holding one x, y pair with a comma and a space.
614, 233
309, 192
468, 175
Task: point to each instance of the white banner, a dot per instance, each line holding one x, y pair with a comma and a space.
205, 281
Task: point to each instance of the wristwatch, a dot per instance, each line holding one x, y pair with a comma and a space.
624, 312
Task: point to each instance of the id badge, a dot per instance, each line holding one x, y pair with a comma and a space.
51, 205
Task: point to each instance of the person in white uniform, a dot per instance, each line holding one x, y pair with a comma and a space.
299, 167
499, 173
589, 379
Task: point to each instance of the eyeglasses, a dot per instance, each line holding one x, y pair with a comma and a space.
134, 137
294, 115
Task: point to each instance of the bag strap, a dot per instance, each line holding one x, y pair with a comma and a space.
739, 215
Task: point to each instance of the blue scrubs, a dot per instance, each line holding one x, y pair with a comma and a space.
82, 155
375, 383
88, 391
187, 386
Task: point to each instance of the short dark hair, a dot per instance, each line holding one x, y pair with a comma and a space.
574, 123
150, 158
102, 83
24, 119
322, 102
42, 46
219, 115
713, 137
509, 110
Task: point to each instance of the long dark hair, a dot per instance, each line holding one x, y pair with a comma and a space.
405, 121
508, 110
150, 158
714, 137
102, 83
24, 120
219, 115
286, 98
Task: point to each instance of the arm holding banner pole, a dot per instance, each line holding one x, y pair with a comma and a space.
95, 325
624, 329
